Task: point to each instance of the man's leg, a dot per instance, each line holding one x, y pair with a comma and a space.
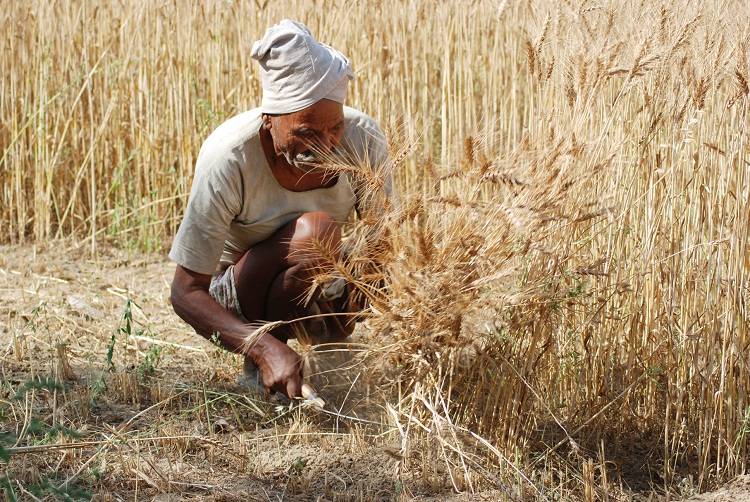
273, 277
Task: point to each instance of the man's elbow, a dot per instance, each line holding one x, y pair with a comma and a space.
178, 298
175, 297
181, 296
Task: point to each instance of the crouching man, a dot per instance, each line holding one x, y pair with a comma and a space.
261, 204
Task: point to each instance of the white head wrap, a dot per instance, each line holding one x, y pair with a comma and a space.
297, 71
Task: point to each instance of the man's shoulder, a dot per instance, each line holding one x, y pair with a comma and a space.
358, 120
362, 135
232, 133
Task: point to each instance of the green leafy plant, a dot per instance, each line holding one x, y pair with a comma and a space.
6, 441
7, 487
149, 363
65, 492
44, 383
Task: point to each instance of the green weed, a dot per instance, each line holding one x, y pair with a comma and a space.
44, 383
6, 441
149, 363
7, 488
65, 492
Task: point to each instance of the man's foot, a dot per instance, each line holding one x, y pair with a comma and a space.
314, 331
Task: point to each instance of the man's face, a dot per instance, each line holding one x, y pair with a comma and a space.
303, 137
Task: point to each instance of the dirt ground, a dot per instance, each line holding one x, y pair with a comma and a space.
123, 401
736, 491
104, 392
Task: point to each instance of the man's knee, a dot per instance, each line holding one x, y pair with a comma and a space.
316, 233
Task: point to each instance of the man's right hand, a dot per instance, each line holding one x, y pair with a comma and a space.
280, 367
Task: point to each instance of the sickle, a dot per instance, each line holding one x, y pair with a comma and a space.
311, 396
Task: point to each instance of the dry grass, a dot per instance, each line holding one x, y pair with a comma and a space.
560, 299
103, 397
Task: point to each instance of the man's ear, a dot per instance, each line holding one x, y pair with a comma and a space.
266, 121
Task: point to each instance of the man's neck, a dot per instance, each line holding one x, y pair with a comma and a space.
288, 176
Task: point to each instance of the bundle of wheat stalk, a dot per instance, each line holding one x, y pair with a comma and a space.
467, 281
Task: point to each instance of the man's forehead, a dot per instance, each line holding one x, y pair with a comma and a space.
317, 114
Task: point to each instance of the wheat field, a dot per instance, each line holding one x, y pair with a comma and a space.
560, 296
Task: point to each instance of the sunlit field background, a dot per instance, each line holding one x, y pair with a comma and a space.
560, 300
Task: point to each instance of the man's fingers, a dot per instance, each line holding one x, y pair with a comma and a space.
294, 387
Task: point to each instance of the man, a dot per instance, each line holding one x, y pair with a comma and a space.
261, 202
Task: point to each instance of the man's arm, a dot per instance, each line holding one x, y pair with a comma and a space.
280, 366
